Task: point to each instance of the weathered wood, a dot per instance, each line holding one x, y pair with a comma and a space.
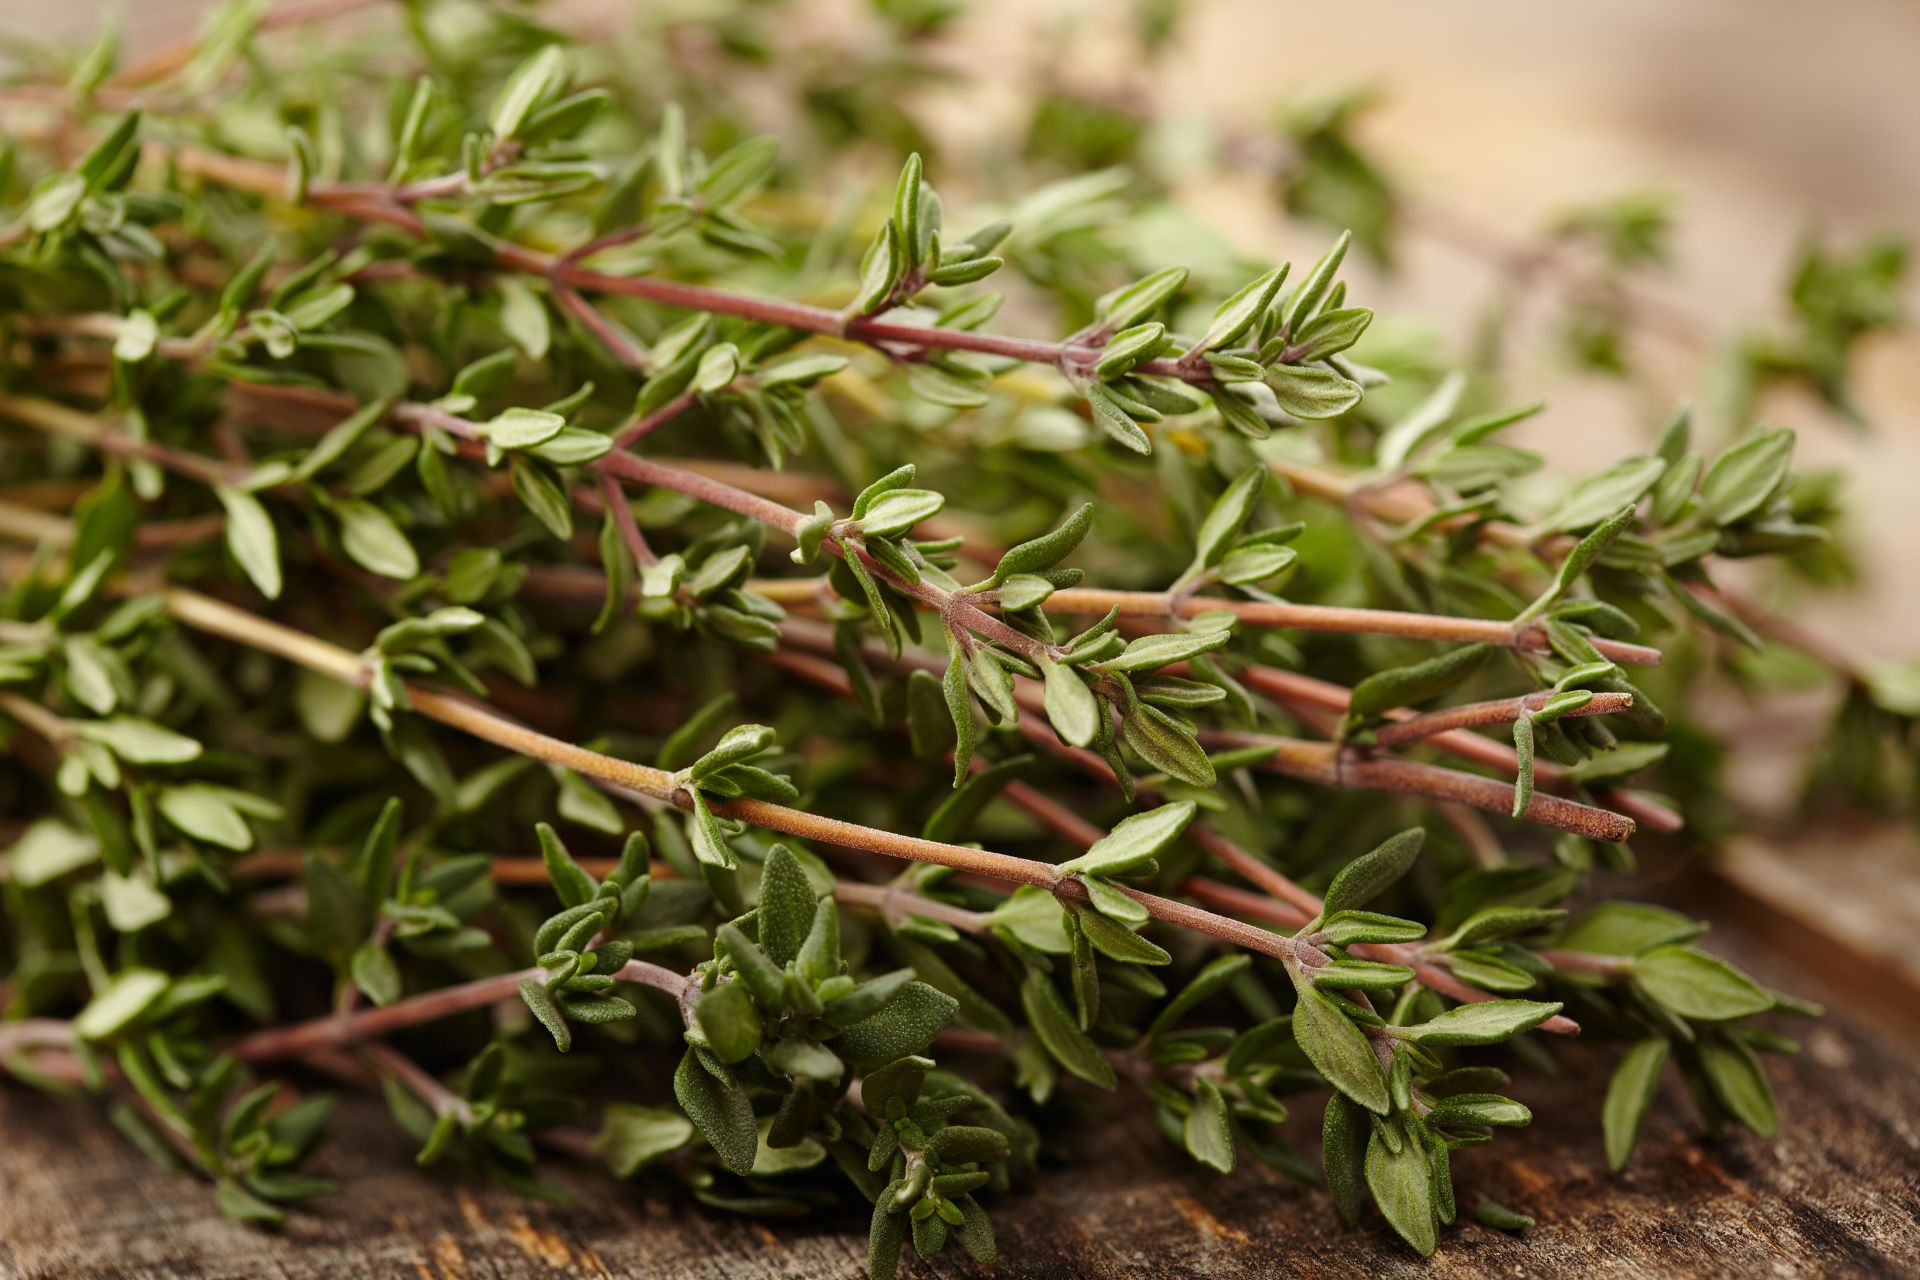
1838, 1193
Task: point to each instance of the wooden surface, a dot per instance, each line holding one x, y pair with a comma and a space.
1837, 1194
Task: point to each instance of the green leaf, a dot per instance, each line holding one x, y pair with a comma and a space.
898, 511
953, 687
1311, 392
903, 1027
1523, 764
709, 844
375, 973
1493, 1214
251, 539
535, 81
373, 869
1206, 1133
632, 1136
519, 428
1742, 479
47, 850
1228, 513
1329, 333
1484, 1110
1046, 550
1128, 306
206, 813
1337, 1049
1134, 840
1117, 942
1167, 745
909, 196
374, 542
1211, 978
1739, 1083
720, 1110
1061, 1034
1035, 917
1485, 1022
541, 493
547, 1013
1246, 566
1411, 685
1114, 420
1344, 928
1584, 553
1149, 652
1368, 876
1232, 318
738, 745
1599, 496
1694, 984
1361, 975
524, 317
1311, 291
1627, 928
1071, 707
887, 1233
1629, 1093
730, 1022
787, 903
879, 271
131, 993
1402, 1185
341, 437
138, 741
1344, 1129
573, 884
1128, 348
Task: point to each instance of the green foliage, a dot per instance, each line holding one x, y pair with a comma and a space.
331, 715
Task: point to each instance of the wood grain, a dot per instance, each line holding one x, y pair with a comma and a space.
1837, 1194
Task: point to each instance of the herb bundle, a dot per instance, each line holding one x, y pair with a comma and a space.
522, 601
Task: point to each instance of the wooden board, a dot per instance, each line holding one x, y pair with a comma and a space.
1837, 1194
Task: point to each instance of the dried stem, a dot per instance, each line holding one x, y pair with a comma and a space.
206, 614
1496, 711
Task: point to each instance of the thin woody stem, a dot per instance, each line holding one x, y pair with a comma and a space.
370, 204
1320, 762
1311, 695
206, 614
966, 611
1497, 711
1296, 905
331, 1030
418, 1081
530, 872
1263, 613
1430, 975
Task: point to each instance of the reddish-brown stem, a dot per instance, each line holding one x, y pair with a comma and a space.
365, 1024
1496, 711
418, 1081
1588, 962
1312, 617
646, 426
615, 500
1318, 762
1295, 907
1239, 901
206, 614
1310, 694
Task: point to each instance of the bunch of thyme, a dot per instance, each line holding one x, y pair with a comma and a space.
497, 552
